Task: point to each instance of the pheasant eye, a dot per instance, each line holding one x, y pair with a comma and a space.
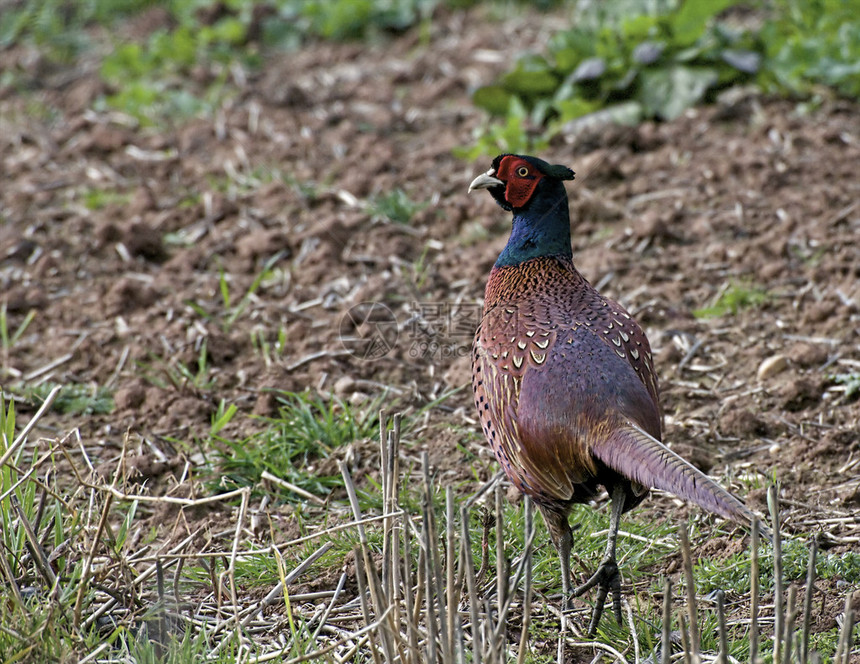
522, 171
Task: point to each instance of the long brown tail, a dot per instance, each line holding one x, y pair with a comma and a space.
633, 453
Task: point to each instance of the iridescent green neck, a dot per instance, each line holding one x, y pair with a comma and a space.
542, 228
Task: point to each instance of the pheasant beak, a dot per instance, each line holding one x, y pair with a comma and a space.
486, 181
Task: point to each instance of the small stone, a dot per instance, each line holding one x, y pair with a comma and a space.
121, 327
772, 366
344, 385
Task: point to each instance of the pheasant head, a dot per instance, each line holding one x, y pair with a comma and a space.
533, 190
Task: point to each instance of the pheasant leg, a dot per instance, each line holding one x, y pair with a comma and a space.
562, 538
607, 577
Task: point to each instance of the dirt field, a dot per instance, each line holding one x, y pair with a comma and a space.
111, 232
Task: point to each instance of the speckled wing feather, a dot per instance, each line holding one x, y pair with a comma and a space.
617, 328
580, 394
555, 366
509, 344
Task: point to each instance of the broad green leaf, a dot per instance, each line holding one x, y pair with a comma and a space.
570, 109
841, 75
689, 22
493, 99
640, 28
126, 62
229, 30
532, 76
667, 93
569, 47
567, 59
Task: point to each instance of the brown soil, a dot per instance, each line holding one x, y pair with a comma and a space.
666, 218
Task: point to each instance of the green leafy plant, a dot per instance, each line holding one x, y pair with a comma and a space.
148, 78
665, 61
58, 26
352, 19
182, 376
222, 416
269, 350
658, 59
231, 309
851, 381
813, 43
512, 135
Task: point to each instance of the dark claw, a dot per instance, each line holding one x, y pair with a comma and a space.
607, 579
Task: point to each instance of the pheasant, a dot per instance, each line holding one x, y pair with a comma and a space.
564, 380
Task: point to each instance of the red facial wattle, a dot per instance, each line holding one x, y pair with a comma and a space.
520, 178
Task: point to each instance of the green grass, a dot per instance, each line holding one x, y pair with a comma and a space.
732, 574
9, 337
269, 350
395, 206
178, 648
96, 199
38, 599
47, 612
73, 398
642, 545
51, 622
646, 550
737, 297
307, 429
179, 375
229, 308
